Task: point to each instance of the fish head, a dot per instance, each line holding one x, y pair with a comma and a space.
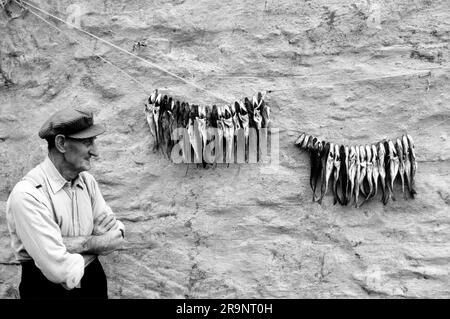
410, 140
158, 99
227, 112
152, 98
326, 150
248, 105
405, 145
187, 111
315, 143
164, 103
386, 146
381, 150
310, 144
237, 107
320, 146
259, 97
299, 140
399, 147
305, 141
255, 102
392, 151
242, 108
342, 151
202, 112
374, 153
232, 109
337, 150
257, 118
352, 153
369, 153
362, 153
331, 151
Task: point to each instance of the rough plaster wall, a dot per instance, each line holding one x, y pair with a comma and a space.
250, 230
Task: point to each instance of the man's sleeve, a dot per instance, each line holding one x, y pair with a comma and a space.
99, 205
41, 237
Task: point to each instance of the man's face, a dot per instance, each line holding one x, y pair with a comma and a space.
78, 153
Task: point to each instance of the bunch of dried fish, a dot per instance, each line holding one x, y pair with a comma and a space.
203, 123
356, 170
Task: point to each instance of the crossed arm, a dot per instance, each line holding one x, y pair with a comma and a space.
106, 238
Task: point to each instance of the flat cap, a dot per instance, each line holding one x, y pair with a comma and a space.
74, 123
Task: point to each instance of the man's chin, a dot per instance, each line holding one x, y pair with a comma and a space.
85, 167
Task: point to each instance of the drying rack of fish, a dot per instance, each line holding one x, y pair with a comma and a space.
356, 170
168, 118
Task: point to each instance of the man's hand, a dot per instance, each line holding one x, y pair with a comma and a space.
110, 242
103, 224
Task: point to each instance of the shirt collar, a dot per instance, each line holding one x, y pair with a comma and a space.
56, 180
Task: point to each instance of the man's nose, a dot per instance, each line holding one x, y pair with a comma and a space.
93, 151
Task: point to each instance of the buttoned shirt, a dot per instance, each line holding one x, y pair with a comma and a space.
42, 209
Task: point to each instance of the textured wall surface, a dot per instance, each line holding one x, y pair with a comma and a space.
245, 231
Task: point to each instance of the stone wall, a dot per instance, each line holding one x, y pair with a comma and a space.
351, 72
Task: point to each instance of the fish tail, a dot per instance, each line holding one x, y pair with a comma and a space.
383, 190
375, 187
403, 186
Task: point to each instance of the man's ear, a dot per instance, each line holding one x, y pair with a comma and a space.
60, 143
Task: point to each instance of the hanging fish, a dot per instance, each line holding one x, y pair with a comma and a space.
244, 123
194, 133
369, 170
228, 133
153, 96
357, 175
151, 123
216, 133
352, 168
258, 119
406, 157
263, 109
343, 176
392, 164
165, 123
299, 140
327, 168
316, 165
201, 119
414, 165
401, 164
382, 164
375, 169
336, 171
363, 169
156, 119
305, 142
243, 118
249, 107
234, 115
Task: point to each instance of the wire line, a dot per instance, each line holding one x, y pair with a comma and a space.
127, 52
102, 58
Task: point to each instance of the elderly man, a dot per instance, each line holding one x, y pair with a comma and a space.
58, 220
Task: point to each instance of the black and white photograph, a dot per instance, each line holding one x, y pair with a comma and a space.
235, 151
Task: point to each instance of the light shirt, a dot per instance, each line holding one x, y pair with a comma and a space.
42, 209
